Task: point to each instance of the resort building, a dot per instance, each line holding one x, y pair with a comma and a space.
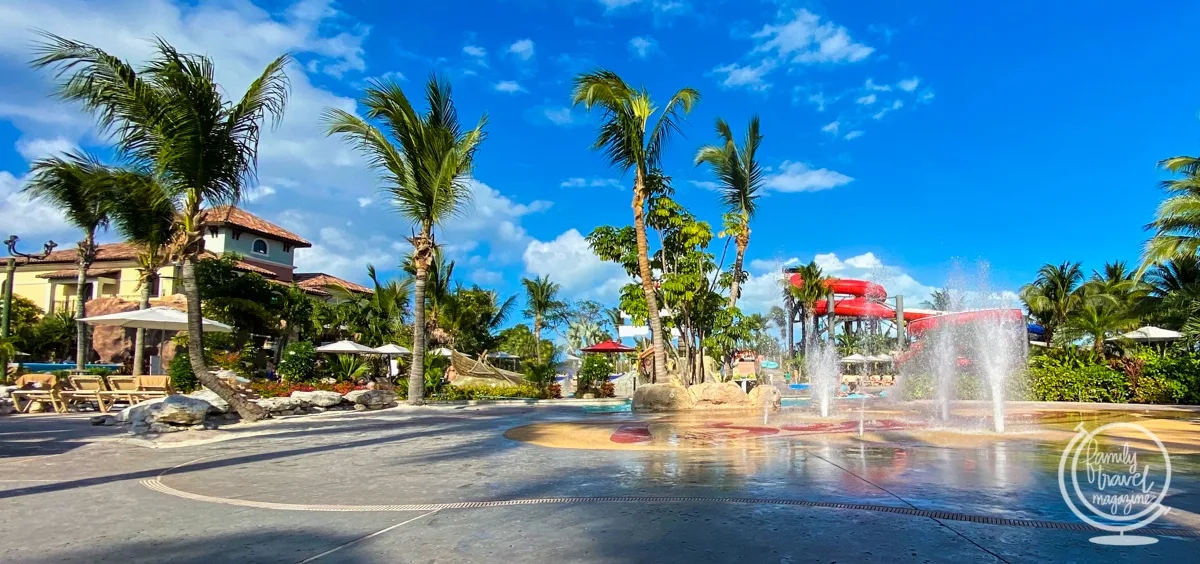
264, 248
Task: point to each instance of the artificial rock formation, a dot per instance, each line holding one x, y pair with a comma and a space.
115, 344
718, 394
766, 395
661, 397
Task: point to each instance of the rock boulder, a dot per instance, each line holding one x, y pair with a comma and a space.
661, 397
371, 399
319, 398
218, 404
177, 410
766, 395
719, 394
137, 412
280, 405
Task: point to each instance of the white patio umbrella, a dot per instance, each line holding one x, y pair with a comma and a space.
879, 358
502, 355
442, 351
854, 359
161, 318
392, 350
346, 347
1150, 334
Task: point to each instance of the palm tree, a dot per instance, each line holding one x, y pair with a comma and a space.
584, 332
942, 300
171, 116
630, 141
1176, 224
778, 318
1174, 286
80, 187
1053, 295
541, 299
741, 180
426, 172
145, 215
1099, 313
814, 287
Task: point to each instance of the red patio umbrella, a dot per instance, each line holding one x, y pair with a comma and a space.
608, 347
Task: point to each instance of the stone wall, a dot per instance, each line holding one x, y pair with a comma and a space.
115, 344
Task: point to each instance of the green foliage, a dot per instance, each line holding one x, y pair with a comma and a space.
1098, 383
540, 374
246, 300
593, 373
483, 391
298, 362
519, 340
348, 367
1168, 378
472, 317
102, 372
183, 380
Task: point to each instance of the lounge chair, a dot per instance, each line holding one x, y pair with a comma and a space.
121, 388
86, 389
37, 388
149, 387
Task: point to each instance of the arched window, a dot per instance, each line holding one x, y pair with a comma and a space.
260, 246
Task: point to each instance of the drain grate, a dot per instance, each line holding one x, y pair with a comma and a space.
157, 485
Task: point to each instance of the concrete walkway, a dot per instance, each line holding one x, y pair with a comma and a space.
405, 485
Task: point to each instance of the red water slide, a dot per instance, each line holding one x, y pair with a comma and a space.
866, 301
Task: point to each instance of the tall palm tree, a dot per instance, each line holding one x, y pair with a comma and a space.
171, 116
1176, 224
632, 141
814, 287
145, 215
81, 187
741, 180
541, 299
1053, 295
1174, 286
425, 162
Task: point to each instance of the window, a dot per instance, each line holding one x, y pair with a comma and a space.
260, 247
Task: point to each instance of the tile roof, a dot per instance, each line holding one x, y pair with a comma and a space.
311, 280
238, 217
73, 273
110, 251
242, 265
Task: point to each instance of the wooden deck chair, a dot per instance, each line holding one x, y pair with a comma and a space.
149, 387
86, 389
37, 388
121, 388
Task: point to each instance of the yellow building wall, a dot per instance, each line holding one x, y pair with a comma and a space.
38, 290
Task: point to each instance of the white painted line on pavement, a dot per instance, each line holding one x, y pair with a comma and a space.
368, 537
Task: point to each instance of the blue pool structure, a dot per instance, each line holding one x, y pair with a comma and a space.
54, 366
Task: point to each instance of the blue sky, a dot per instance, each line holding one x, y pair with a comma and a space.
900, 137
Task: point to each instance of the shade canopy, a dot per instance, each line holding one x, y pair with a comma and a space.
879, 358
503, 355
608, 347
442, 351
161, 318
1150, 334
854, 359
346, 347
392, 349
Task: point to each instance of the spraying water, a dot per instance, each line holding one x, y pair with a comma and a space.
821, 363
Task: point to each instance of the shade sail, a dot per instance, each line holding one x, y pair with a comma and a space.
1150, 334
161, 318
608, 347
346, 347
392, 349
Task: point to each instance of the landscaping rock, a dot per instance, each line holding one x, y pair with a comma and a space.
280, 405
766, 395
6, 407
137, 412
319, 398
218, 404
661, 397
105, 420
724, 394
207, 425
165, 428
371, 399
6, 391
179, 410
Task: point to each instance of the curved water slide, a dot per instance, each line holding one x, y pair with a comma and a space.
859, 298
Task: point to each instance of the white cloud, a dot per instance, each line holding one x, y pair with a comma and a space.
508, 86
495, 220
926, 96
642, 47
569, 261
256, 194
866, 100
345, 254
522, 49
896, 105
578, 182
364, 202
610, 5
475, 51
798, 177
908, 84
559, 116
706, 185
751, 77
485, 277
24, 217
818, 99
853, 135
804, 39
871, 86
831, 127
34, 149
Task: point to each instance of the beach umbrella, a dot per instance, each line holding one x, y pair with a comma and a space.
161, 318
392, 349
854, 359
1150, 334
608, 347
346, 347
879, 358
442, 351
503, 355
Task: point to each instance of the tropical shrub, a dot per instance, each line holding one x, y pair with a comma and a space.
348, 367
298, 362
101, 372
541, 375
183, 380
592, 374
483, 391
1071, 379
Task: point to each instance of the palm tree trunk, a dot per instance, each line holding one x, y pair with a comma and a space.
743, 240
249, 411
416, 373
139, 342
537, 336
81, 328
639, 227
